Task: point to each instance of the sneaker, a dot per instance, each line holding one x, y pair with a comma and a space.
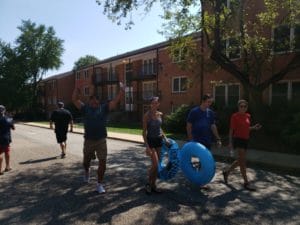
100, 188
249, 187
225, 176
86, 177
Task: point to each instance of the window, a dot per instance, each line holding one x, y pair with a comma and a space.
178, 55
86, 74
149, 67
286, 38
295, 90
112, 73
179, 84
111, 92
297, 37
281, 38
231, 48
77, 75
149, 89
86, 91
98, 75
227, 94
279, 93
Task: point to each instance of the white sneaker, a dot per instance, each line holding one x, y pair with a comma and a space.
86, 178
100, 188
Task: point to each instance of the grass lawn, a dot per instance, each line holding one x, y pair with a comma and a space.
132, 128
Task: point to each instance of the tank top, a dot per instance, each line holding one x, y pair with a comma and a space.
154, 127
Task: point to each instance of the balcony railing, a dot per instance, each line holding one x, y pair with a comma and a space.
143, 76
103, 79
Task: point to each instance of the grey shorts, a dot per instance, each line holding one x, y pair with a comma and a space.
92, 146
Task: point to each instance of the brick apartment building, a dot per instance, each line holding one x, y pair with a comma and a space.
151, 71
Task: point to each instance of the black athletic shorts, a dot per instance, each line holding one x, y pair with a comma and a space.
61, 136
155, 142
240, 143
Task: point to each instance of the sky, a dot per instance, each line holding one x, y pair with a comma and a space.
83, 27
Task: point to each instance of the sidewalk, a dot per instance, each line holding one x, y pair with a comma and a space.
275, 160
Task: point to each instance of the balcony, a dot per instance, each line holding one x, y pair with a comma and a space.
138, 76
104, 79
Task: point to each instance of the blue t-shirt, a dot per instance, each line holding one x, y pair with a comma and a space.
5, 135
201, 125
95, 121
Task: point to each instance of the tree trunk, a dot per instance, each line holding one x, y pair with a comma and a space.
256, 105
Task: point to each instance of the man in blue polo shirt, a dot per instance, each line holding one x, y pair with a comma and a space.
95, 117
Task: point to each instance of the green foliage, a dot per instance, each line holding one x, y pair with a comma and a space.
22, 66
176, 122
85, 61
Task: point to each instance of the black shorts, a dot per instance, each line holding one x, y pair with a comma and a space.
155, 142
61, 136
240, 143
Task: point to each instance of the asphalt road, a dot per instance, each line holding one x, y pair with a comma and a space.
44, 189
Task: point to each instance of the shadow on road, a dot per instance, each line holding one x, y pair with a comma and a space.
55, 194
39, 160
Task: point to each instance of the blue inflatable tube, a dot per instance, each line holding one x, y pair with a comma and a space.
197, 163
168, 164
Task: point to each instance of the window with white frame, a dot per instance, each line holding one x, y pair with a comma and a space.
98, 74
86, 74
179, 84
286, 38
227, 94
231, 48
111, 91
112, 73
149, 66
86, 91
149, 89
295, 92
77, 75
179, 55
284, 91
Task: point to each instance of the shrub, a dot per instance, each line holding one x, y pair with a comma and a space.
291, 132
176, 122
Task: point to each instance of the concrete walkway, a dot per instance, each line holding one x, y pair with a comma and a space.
275, 160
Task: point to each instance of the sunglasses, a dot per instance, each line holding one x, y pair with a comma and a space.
243, 106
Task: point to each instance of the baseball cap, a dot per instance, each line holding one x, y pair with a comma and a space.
2, 108
60, 104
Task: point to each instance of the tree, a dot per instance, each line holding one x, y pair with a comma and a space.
85, 61
36, 51
231, 29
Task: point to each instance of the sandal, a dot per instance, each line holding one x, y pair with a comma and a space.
1, 173
156, 190
7, 169
148, 189
248, 187
225, 176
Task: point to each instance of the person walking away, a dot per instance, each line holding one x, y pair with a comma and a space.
95, 117
61, 118
201, 126
239, 133
153, 138
6, 125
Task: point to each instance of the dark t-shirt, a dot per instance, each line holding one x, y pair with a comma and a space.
201, 125
95, 121
61, 119
5, 135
